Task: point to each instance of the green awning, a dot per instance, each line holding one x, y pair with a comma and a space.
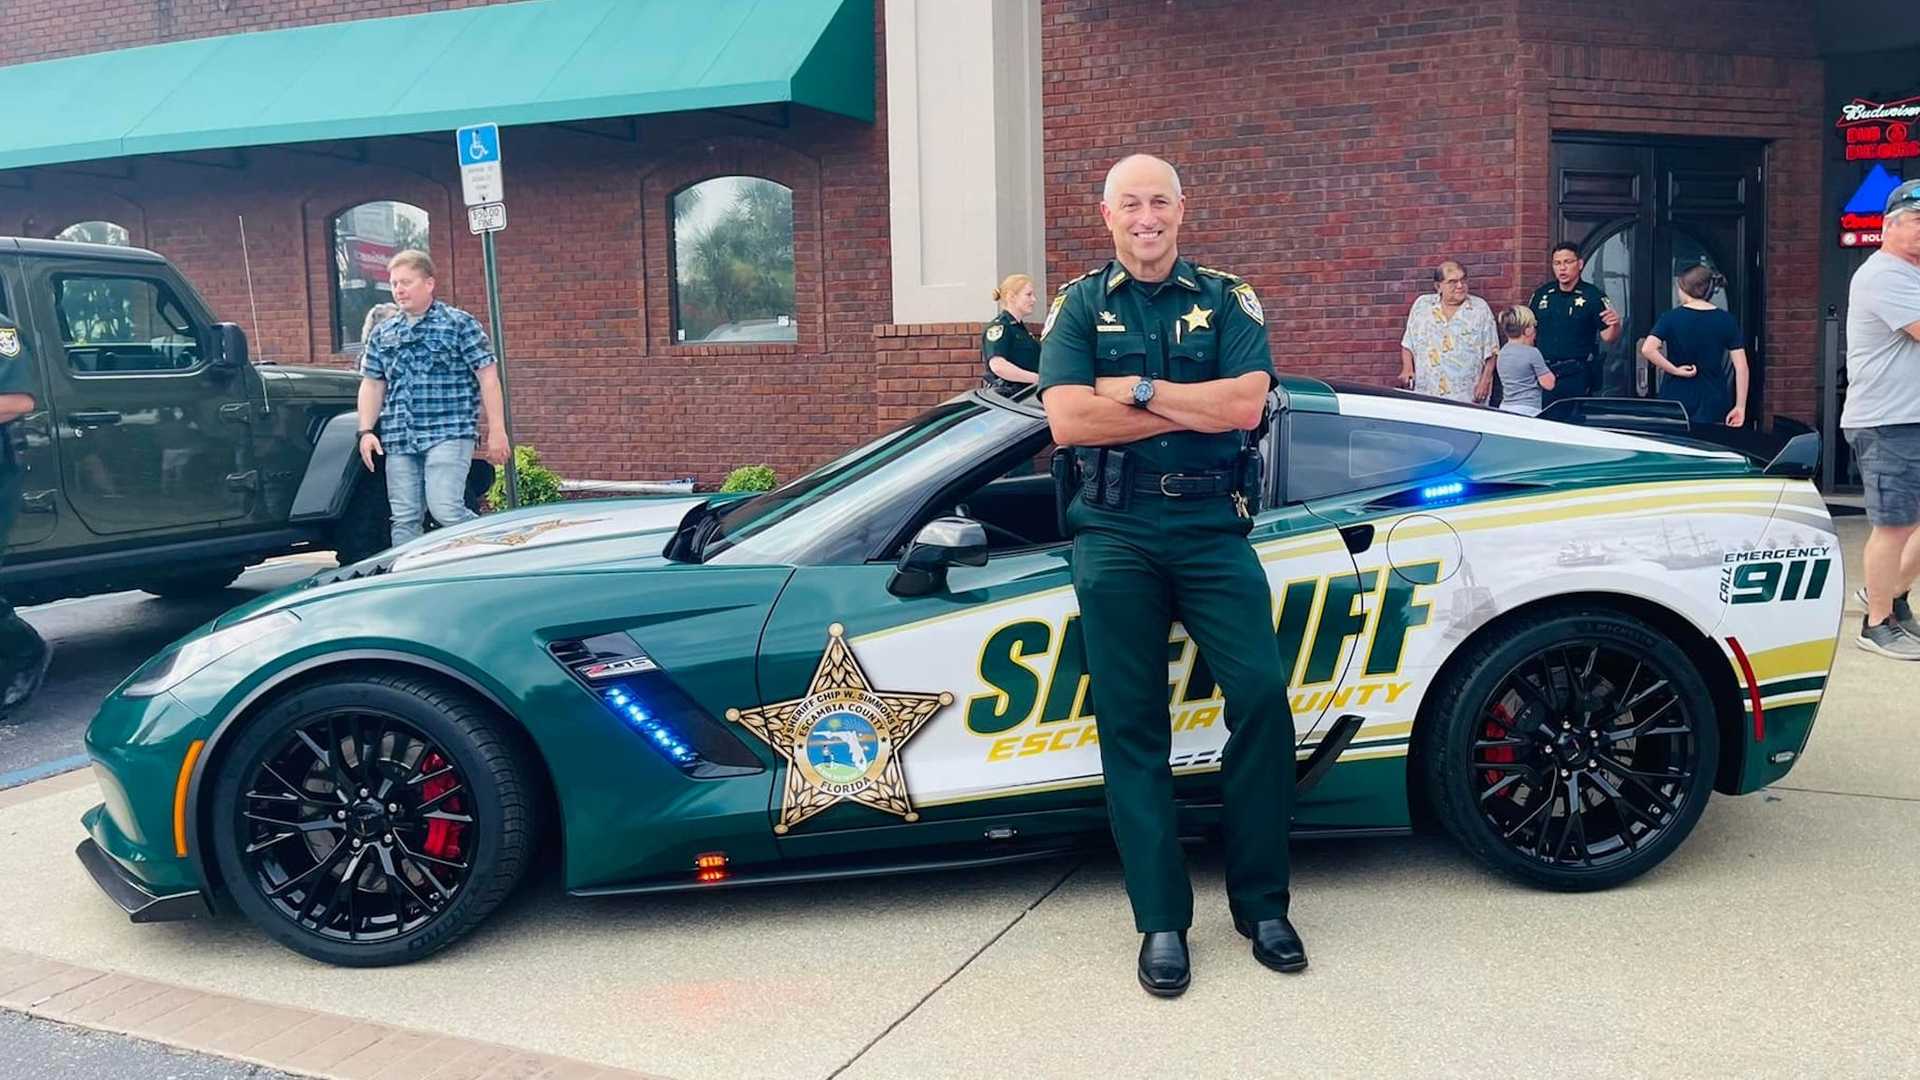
542, 61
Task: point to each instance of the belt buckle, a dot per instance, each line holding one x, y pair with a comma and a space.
1163, 487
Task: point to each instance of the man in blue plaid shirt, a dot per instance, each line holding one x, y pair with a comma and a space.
420, 375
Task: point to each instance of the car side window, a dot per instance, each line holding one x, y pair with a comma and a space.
1332, 455
123, 325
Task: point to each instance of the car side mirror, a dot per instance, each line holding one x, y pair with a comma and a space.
940, 543
229, 346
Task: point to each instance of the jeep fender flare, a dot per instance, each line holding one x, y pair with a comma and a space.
334, 472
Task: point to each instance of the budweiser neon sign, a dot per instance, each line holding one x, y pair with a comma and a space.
1880, 132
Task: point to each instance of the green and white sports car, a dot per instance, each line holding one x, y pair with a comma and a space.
1552, 640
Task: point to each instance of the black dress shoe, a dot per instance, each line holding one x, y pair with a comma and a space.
1163, 963
1275, 943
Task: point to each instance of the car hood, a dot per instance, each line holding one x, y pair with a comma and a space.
612, 533
563, 536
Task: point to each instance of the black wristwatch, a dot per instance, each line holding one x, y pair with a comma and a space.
1143, 392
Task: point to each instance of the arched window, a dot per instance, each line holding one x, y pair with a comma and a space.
733, 261
96, 232
364, 238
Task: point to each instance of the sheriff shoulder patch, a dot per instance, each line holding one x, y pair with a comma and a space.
1249, 303
1053, 312
994, 332
9, 342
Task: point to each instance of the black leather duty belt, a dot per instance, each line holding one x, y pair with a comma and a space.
1184, 485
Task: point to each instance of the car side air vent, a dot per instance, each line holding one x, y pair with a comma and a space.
350, 573
635, 690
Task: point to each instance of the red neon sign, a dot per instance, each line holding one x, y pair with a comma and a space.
1880, 132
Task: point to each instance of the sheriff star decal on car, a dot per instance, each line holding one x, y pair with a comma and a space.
842, 740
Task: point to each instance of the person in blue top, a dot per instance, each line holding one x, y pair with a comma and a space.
1695, 344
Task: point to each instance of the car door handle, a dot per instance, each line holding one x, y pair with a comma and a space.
37, 502
97, 418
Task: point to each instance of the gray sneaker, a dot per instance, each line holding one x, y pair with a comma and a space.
1902, 611
1889, 639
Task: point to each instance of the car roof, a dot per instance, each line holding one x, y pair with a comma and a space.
27, 245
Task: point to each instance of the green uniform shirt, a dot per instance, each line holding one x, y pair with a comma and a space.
1198, 325
1569, 320
1008, 338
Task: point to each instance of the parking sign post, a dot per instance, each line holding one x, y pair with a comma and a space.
478, 148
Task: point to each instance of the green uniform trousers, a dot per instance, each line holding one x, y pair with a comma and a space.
1135, 572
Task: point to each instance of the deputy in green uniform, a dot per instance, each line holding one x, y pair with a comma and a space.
1007, 348
1154, 369
1571, 314
23, 654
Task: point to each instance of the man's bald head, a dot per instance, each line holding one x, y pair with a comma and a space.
1143, 207
1134, 165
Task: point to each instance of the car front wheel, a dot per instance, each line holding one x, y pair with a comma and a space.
371, 820
1575, 751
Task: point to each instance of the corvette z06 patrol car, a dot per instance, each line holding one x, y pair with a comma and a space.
1553, 641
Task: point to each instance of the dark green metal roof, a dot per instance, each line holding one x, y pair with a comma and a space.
542, 61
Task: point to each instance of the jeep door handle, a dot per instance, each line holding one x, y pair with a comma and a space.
99, 418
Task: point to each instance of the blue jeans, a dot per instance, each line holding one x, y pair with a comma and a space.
434, 482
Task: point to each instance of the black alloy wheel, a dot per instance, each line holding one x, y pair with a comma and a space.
371, 821
1575, 753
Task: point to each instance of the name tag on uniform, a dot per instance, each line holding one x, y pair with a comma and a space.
1110, 328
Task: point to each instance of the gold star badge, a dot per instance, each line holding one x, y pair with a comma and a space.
1198, 318
1109, 317
1579, 301
842, 740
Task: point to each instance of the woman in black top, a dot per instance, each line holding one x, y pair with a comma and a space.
1012, 355
1700, 341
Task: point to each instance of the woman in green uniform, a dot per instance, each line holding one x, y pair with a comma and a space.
1012, 355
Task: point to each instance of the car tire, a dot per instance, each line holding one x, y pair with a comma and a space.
195, 583
427, 905
1590, 707
366, 528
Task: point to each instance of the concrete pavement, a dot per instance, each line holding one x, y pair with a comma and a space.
1777, 941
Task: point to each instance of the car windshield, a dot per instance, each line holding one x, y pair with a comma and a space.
846, 509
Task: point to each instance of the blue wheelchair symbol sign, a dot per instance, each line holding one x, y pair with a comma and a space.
479, 144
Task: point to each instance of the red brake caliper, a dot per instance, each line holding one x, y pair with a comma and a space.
1502, 755
443, 837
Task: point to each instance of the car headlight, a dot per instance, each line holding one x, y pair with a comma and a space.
173, 667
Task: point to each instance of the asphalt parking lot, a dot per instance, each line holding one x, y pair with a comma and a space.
1777, 941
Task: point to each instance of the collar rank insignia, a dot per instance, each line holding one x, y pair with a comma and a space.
842, 739
9, 342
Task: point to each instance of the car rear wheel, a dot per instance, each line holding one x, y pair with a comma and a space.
371, 820
191, 583
1574, 751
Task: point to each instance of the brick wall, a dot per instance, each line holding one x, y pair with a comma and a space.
1733, 69
45, 29
597, 383
1331, 152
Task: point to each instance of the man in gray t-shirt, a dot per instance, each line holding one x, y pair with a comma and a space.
1882, 422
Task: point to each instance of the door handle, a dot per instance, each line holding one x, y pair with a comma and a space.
37, 502
96, 418
237, 412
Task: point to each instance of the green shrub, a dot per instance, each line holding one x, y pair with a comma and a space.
749, 478
538, 484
